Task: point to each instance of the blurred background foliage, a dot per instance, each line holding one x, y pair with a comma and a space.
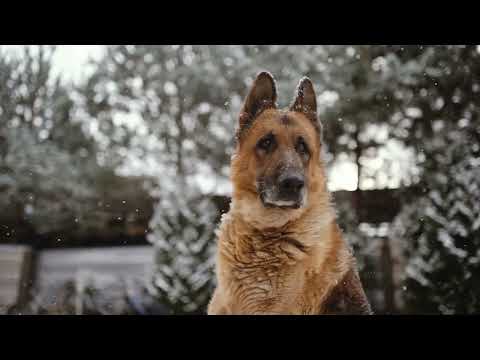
137, 152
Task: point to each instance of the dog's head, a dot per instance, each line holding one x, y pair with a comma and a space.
277, 160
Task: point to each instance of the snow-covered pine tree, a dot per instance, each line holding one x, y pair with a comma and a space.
443, 267
183, 233
439, 228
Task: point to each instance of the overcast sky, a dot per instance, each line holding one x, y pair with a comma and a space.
69, 60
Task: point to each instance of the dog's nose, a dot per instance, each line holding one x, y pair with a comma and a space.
291, 185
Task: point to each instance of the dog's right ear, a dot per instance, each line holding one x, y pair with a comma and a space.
262, 95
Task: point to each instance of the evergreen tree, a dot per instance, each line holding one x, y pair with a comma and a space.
183, 229
442, 230
439, 227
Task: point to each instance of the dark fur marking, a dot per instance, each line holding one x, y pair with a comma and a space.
295, 243
348, 297
285, 120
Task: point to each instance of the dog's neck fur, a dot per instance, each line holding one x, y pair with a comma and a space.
263, 246
274, 221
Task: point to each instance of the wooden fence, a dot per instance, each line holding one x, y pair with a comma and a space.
21, 268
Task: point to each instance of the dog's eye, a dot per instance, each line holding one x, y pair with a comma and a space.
302, 147
266, 143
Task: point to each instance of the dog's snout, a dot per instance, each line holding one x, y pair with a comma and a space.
291, 185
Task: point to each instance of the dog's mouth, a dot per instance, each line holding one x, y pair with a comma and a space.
268, 202
273, 195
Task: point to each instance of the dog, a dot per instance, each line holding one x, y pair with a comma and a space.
280, 250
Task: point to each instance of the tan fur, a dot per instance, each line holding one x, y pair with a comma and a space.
281, 261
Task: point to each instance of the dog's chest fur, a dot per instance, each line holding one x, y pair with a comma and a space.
291, 270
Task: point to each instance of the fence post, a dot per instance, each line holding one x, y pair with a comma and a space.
15, 276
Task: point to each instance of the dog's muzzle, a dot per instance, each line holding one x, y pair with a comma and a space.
288, 191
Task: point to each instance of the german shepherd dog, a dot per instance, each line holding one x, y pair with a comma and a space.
280, 250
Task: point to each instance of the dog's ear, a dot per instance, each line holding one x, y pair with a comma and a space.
305, 99
262, 95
